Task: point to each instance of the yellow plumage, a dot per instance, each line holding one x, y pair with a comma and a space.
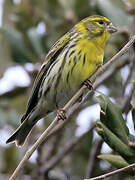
71, 61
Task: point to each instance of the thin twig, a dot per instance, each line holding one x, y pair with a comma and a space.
112, 173
126, 104
58, 157
113, 59
131, 69
54, 146
91, 167
105, 76
70, 103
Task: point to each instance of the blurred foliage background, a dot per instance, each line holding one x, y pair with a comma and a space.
28, 28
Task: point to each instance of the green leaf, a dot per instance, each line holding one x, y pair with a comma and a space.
10, 157
17, 45
115, 143
112, 118
115, 160
35, 39
5, 55
131, 138
103, 101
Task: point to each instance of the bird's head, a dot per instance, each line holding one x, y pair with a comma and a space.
95, 26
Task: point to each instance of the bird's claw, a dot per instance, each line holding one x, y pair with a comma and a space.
88, 84
61, 114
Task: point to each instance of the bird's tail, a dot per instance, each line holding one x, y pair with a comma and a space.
20, 135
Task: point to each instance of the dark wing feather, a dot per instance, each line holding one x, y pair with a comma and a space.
51, 57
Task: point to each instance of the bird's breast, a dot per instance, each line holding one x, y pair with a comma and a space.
85, 61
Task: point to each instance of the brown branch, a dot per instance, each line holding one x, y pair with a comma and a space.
39, 161
55, 145
105, 76
91, 167
58, 157
126, 104
113, 59
66, 107
112, 173
131, 67
59, 126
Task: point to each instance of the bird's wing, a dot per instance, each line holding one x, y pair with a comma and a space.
51, 57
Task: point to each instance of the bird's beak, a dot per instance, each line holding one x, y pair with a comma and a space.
111, 28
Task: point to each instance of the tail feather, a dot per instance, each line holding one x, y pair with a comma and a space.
21, 133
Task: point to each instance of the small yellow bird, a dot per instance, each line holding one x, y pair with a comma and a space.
70, 62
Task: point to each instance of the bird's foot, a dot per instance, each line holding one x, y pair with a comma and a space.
61, 114
88, 84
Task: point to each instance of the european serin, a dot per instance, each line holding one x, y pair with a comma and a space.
70, 61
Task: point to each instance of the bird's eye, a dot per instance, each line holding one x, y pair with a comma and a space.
101, 22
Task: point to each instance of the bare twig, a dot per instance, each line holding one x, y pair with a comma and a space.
56, 159
112, 60
126, 104
105, 76
60, 125
91, 167
55, 145
113, 172
131, 67
37, 174
66, 107
131, 70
